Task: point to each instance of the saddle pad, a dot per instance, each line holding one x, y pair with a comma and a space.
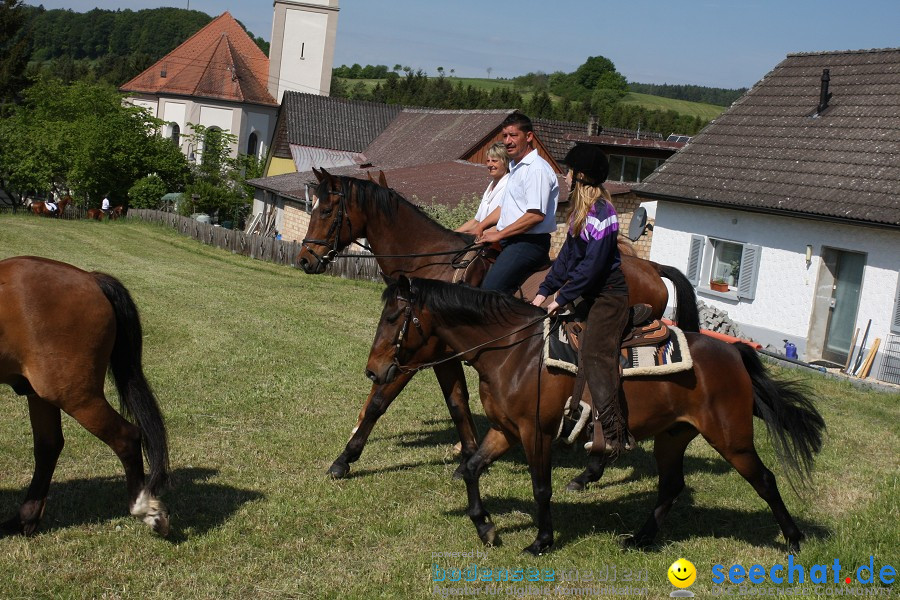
671, 356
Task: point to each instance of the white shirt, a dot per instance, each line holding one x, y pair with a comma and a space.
532, 185
105, 204
492, 198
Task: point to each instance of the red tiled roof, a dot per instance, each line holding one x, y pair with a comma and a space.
220, 62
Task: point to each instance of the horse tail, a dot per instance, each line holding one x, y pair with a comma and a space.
686, 313
794, 424
135, 396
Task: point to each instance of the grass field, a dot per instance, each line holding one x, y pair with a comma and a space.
259, 371
682, 107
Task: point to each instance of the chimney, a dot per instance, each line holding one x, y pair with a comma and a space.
593, 127
824, 94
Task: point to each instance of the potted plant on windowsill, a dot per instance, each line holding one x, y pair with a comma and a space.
718, 285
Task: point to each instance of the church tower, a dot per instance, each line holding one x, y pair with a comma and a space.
301, 52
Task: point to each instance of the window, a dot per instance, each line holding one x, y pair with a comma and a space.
631, 168
736, 263
726, 262
175, 134
252, 144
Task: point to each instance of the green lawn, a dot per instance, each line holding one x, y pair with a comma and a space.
259, 371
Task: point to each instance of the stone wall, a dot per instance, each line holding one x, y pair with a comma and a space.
625, 205
296, 221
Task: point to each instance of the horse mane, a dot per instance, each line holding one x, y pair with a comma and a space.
383, 200
461, 304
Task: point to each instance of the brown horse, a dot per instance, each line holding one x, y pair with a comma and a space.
40, 207
116, 212
502, 337
61, 328
95, 214
405, 240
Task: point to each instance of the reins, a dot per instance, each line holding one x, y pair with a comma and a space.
332, 239
410, 317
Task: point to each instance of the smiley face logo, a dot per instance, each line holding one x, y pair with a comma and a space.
682, 573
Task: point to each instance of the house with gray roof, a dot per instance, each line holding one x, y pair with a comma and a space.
321, 131
791, 200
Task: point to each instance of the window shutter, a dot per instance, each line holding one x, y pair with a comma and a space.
695, 258
746, 289
895, 322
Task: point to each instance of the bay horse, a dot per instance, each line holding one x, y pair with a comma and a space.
95, 214
40, 207
61, 328
502, 337
405, 240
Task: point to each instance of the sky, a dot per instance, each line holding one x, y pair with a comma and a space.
714, 43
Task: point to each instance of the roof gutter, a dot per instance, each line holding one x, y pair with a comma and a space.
767, 211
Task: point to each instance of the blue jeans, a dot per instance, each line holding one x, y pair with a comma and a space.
522, 255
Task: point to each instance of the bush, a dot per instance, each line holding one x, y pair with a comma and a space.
147, 192
451, 218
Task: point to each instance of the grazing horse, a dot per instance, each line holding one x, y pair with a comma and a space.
61, 328
405, 240
40, 207
502, 337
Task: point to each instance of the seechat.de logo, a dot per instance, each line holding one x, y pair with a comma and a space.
682, 574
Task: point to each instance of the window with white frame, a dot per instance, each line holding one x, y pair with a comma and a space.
733, 263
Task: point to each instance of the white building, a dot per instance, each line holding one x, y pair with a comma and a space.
792, 196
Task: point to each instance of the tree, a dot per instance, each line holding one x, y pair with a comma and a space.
15, 48
83, 139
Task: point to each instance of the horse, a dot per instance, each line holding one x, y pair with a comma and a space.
502, 337
40, 207
95, 214
347, 209
116, 212
61, 328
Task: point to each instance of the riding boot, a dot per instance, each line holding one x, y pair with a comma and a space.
607, 321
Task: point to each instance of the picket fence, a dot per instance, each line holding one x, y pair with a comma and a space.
361, 266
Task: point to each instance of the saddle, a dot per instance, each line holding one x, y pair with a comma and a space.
644, 332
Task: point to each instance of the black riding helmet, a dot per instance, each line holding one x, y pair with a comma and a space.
590, 165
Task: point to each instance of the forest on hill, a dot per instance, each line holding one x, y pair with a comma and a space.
111, 47
107, 45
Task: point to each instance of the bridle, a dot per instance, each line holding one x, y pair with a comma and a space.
333, 236
410, 317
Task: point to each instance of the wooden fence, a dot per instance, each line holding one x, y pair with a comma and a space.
361, 266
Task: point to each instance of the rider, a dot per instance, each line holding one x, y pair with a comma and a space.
104, 205
588, 266
527, 214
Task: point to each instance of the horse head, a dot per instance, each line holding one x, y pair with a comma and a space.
404, 336
334, 223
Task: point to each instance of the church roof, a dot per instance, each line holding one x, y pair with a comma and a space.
218, 62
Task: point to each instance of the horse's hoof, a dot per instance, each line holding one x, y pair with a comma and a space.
159, 523
537, 548
575, 486
490, 538
637, 542
338, 471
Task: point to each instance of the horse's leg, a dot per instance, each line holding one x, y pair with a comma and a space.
452, 379
537, 451
493, 446
97, 416
377, 403
668, 450
46, 428
751, 468
593, 472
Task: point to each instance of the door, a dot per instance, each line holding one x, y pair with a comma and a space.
847, 268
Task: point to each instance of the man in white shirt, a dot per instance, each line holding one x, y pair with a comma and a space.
104, 205
527, 215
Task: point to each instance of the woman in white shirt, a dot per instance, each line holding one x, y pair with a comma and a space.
497, 163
